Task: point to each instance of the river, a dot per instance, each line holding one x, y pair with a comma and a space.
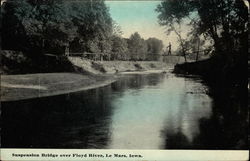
152, 111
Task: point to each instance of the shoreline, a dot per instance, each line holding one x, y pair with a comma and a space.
31, 86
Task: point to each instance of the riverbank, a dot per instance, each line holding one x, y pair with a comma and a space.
226, 69
19, 87
27, 86
88, 75
113, 67
23, 77
227, 75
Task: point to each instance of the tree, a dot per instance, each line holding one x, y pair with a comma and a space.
155, 47
137, 47
225, 21
13, 30
38, 24
93, 23
117, 30
119, 47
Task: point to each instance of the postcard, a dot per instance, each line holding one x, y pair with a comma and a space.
124, 80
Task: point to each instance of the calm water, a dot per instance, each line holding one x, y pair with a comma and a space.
155, 111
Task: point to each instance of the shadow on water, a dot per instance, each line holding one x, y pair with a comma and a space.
225, 129
155, 111
229, 122
78, 120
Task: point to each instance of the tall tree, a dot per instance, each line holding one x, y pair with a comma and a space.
155, 47
117, 30
137, 47
93, 23
51, 24
119, 47
38, 23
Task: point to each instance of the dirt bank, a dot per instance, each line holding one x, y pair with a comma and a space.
111, 67
96, 74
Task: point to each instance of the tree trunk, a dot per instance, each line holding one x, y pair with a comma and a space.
184, 54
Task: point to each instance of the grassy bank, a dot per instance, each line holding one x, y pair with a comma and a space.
16, 62
23, 77
87, 76
26, 86
112, 67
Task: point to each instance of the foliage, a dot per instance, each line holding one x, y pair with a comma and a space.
38, 23
137, 47
225, 21
53, 24
155, 48
94, 24
155, 45
117, 30
119, 47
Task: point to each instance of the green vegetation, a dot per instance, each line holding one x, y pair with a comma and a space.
49, 26
26, 86
42, 27
138, 46
223, 22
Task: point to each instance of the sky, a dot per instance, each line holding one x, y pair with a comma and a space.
141, 17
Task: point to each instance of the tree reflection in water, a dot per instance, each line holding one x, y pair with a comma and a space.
226, 128
155, 111
79, 120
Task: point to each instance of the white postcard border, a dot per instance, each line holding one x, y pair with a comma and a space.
128, 155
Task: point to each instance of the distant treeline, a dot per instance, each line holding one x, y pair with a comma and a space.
50, 26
